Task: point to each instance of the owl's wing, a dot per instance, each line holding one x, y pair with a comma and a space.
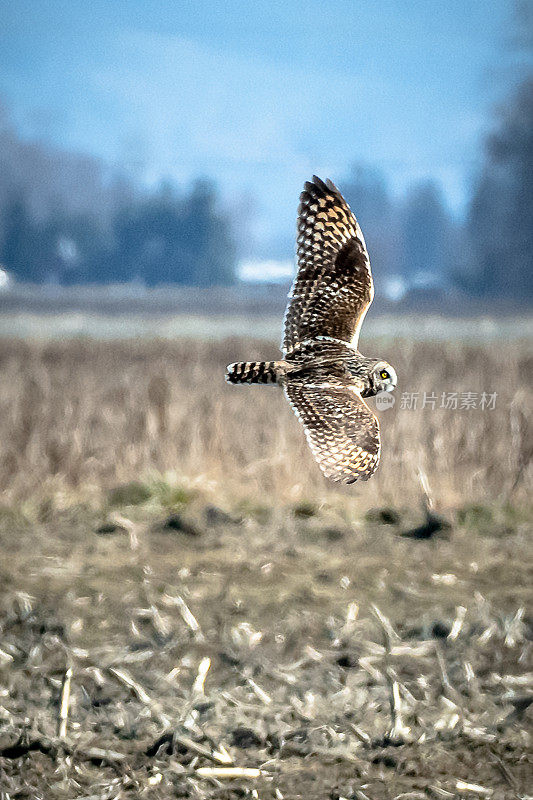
333, 287
341, 430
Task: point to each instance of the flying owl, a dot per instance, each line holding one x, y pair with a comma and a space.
323, 374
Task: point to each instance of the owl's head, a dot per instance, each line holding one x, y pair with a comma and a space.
383, 377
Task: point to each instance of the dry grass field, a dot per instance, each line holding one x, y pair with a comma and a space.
183, 594
80, 417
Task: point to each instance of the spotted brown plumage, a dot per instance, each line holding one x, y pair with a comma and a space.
323, 374
333, 287
341, 430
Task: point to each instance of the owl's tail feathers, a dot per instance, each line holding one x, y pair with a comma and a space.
254, 372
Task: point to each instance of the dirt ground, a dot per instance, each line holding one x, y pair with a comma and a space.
332, 657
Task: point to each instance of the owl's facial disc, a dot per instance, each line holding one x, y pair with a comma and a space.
384, 377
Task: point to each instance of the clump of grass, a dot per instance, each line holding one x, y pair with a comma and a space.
305, 509
383, 516
12, 517
132, 493
171, 496
475, 515
259, 512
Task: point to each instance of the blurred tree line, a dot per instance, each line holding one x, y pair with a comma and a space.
411, 239
500, 221
491, 253
65, 219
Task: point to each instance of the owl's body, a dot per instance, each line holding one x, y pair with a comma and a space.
322, 373
321, 358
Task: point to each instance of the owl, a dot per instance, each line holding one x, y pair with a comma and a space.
322, 373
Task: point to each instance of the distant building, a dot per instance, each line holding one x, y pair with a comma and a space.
266, 271
5, 279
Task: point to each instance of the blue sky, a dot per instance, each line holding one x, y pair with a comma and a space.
259, 95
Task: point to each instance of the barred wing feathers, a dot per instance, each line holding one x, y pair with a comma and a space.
333, 287
341, 430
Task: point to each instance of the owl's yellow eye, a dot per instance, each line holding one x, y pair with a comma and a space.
384, 374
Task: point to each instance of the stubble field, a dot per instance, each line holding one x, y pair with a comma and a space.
182, 593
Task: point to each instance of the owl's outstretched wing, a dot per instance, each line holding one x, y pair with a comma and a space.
333, 287
341, 430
